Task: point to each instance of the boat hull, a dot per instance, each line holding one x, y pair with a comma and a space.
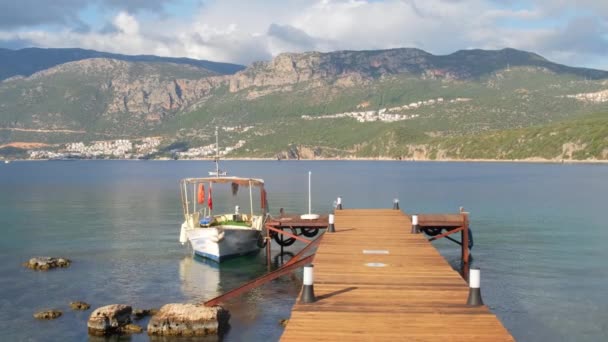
221, 243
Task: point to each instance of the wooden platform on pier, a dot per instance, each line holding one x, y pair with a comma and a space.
375, 281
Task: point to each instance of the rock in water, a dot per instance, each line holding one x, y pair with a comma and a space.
109, 319
132, 329
78, 305
47, 314
141, 313
188, 320
47, 263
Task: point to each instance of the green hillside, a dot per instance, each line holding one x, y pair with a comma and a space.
582, 138
505, 100
400, 103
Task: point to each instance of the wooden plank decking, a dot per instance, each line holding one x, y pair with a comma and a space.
416, 296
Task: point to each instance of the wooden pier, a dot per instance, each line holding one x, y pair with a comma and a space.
376, 281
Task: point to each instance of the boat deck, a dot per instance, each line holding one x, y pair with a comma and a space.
375, 281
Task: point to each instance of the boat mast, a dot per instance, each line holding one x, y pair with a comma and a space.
217, 153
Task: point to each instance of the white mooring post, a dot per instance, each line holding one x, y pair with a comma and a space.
308, 291
474, 288
332, 227
396, 204
339, 203
415, 226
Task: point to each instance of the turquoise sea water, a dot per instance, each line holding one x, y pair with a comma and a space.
540, 239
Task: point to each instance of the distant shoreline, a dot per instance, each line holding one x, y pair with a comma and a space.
522, 161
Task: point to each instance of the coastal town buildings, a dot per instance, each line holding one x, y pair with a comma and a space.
391, 114
127, 149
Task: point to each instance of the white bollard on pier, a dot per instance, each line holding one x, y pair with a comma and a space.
415, 226
308, 291
474, 288
332, 227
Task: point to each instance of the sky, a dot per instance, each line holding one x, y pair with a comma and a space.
243, 31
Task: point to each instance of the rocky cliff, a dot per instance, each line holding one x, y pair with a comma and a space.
345, 68
350, 68
144, 91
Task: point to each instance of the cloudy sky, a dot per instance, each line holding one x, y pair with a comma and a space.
242, 31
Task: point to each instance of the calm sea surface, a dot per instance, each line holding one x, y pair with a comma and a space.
540, 239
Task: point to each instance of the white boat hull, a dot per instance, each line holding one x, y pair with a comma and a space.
220, 243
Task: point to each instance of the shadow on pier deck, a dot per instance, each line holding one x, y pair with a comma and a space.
376, 281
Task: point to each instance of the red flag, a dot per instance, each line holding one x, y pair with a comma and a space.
210, 201
201, 193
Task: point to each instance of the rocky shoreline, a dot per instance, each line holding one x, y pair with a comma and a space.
176, 319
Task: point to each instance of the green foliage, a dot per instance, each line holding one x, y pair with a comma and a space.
12, 152
581, 138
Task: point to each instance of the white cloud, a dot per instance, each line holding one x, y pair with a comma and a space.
243, 31
126, 24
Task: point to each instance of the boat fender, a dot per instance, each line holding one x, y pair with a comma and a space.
261, 242
432, 231
182, 236
309, 232
286, 241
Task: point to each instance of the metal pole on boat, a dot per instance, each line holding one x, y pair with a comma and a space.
187, 210
194, 196
217, 152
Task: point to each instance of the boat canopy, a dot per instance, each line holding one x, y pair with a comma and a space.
193, 195
224, 180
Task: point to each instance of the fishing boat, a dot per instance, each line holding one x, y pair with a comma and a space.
218, 234
217, 172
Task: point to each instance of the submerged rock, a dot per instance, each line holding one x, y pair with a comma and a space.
47, 263
78, 305
188, 320
48, 314
141, 313
109, 319
132, 329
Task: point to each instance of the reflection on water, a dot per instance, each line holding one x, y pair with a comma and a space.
200, 278
281, 258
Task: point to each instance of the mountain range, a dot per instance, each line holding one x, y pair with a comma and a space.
26, 62
398, 103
